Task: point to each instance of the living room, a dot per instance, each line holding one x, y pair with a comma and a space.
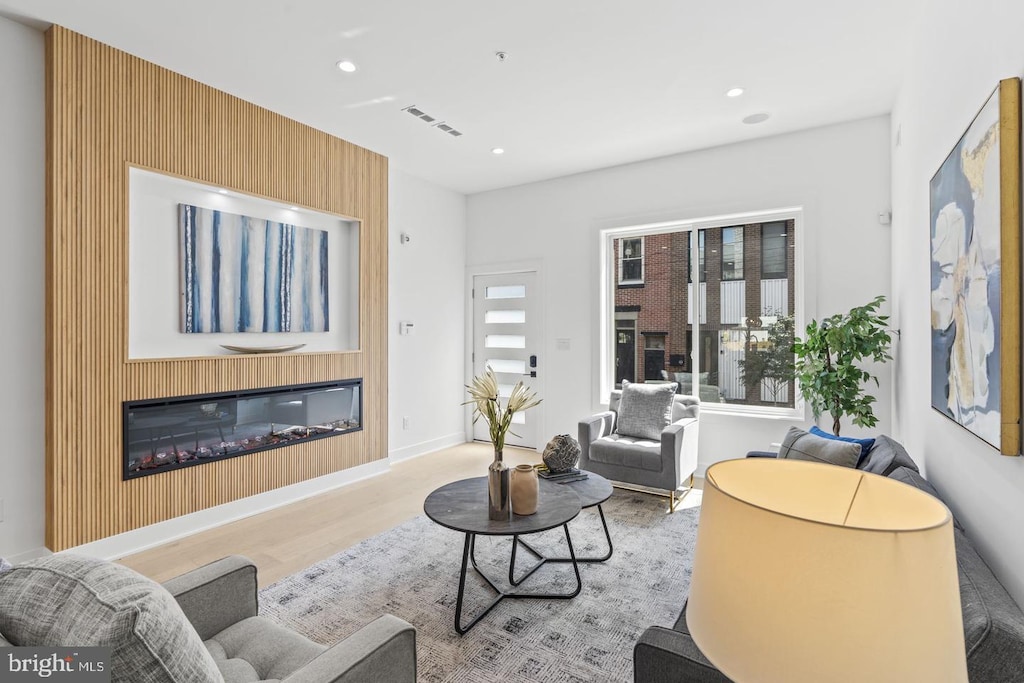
861, 162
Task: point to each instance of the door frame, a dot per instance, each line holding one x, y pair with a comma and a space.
545, 350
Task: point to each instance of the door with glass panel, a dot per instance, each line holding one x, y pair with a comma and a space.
505, 337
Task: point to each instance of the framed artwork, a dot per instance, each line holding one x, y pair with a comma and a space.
244, 274
975, 275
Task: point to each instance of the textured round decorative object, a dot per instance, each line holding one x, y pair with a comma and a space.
561, 453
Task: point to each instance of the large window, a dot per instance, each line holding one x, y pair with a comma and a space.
631, 261
727, 338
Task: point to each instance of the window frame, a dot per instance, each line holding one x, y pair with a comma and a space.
622, 258
605, 357
775, 275
743, 264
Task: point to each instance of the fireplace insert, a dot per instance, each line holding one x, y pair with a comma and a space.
165, 434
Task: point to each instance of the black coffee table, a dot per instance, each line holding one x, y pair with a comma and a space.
462, 506
594, 490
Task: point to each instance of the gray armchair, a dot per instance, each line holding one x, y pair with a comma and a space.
219, 600
662, 465
200, 627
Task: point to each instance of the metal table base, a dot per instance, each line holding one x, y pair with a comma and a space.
469, 557
517, 541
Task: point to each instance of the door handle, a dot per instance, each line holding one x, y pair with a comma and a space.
531, 373
533, 361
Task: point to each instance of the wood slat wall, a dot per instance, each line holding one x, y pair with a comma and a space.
106, 111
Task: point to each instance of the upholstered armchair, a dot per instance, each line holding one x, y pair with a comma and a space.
663, 464
200, 627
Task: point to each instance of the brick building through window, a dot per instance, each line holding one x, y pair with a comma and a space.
745, 285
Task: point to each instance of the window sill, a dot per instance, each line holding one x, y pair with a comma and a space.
781, 414
632, 284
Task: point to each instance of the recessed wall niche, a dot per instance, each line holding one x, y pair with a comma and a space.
156, 281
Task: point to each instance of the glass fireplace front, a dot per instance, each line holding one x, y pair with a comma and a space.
166, 434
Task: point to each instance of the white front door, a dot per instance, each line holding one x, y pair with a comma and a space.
506, 338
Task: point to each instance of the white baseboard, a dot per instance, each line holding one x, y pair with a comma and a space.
137, 540
33, 554
425, 447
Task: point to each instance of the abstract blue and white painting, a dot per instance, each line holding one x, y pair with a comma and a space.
245, 274
965, 280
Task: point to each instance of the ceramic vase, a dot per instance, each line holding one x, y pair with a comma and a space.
525, 490
499, 501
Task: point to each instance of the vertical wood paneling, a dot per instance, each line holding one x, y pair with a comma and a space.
106, 111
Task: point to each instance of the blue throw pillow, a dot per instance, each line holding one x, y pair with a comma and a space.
865, 444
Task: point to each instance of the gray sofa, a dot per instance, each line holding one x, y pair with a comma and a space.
201, 626
993, 623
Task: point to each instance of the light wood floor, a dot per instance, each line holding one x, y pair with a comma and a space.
284, 540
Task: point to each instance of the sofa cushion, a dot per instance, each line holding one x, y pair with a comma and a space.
627, 451
993, 624
914, 478
256, 649
645, 409
800, 445
69, 600
865, 444
886, 456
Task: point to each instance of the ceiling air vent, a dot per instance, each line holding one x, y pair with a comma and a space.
440, 125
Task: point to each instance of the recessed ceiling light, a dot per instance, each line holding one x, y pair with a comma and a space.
497, 150
734, 92
346, 66
756, 118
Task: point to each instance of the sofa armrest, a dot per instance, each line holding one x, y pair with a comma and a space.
217, 595
679, 448
590, 430
383, 650
594, 427
663, 655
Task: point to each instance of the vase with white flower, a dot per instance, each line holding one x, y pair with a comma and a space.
486, 400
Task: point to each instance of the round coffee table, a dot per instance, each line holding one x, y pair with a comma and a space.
462, 506
594, 490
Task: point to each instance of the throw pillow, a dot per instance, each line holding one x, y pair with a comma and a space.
865, 444
645, 409
800, 445
70, 600
886, 456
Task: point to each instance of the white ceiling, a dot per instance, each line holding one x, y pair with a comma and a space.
587, 83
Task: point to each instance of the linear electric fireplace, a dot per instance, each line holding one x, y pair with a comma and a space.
167, 434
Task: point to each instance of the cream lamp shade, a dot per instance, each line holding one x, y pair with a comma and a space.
812, 573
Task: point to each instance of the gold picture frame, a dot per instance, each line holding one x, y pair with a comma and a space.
975, 223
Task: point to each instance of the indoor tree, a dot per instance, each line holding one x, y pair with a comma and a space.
829, 358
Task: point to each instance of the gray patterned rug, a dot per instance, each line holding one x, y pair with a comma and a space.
412, 572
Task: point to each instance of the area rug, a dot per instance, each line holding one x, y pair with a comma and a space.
412, 571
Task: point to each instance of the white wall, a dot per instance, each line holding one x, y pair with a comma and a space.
961, 52
425, 287
838, 174
22, 282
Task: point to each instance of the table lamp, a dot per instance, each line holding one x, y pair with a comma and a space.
805, 572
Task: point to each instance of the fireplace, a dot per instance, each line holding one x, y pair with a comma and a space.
166, 434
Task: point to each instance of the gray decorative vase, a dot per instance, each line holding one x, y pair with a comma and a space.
499, 503
562, 453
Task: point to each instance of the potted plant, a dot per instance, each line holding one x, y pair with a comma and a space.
484, 396
827, 363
